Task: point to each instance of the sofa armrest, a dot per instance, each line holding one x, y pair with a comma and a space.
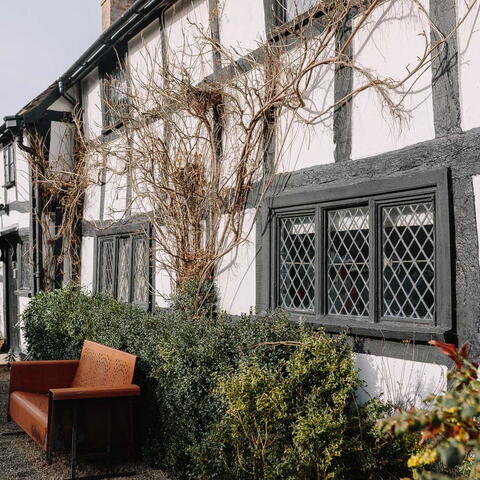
84, 393
41, 376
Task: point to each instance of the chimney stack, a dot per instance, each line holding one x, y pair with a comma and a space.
112, 10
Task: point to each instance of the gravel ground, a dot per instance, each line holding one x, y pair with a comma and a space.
21, 458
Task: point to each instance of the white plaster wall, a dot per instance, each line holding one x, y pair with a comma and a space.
403, 382
301, 144
87, 266
14, 220
185, 24
92, 105
145, 63
387, 46
21, 191
92, 203
469, 63
115, 186
61, 146
242, 26
476, 192
163, 286
236, 274
62, 105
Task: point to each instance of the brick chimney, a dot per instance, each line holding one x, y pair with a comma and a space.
112, 10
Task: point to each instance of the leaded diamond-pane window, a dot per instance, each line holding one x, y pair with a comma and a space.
124, 268
408, 278
107, 267
374, 257
140, 270
348, 262
297, 263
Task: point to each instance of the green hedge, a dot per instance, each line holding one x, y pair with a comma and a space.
211, 385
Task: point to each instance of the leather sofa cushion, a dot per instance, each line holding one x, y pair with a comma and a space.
30, 413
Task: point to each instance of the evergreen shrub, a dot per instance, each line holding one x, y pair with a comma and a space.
253, 397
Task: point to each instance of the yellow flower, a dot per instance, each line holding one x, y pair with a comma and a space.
424, 458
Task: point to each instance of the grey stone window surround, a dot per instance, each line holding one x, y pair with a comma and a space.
130, 230
433, 184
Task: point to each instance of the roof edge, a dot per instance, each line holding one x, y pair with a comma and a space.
117, 31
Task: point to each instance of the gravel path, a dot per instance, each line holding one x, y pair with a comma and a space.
21, 458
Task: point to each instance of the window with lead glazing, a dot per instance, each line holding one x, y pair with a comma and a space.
107, 267
348, 269
9, 164
141, 266
408, 261
297, 263
371, 262
115, 90
123, 264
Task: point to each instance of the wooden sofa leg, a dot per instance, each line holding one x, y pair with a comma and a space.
49, 456
131, 432
73, 458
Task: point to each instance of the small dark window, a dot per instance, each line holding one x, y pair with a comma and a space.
9, 164
115, 90
124, 268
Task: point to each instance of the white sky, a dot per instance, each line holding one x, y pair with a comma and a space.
39, 40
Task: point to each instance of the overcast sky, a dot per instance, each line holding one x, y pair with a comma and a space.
39, 40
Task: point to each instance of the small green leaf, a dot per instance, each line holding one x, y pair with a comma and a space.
450, 455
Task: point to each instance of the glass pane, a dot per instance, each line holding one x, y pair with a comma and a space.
115, 97
140, 270
123, 269
294, 8
347, 262
107, 269
409, 261
297, 263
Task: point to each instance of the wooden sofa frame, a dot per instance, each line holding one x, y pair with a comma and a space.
53, 399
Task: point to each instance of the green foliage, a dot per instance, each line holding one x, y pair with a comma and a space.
288, 420
196, 300
377, 455
56, 323
298, 419
449, 429
222, 398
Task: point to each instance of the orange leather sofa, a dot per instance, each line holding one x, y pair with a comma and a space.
53, 400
